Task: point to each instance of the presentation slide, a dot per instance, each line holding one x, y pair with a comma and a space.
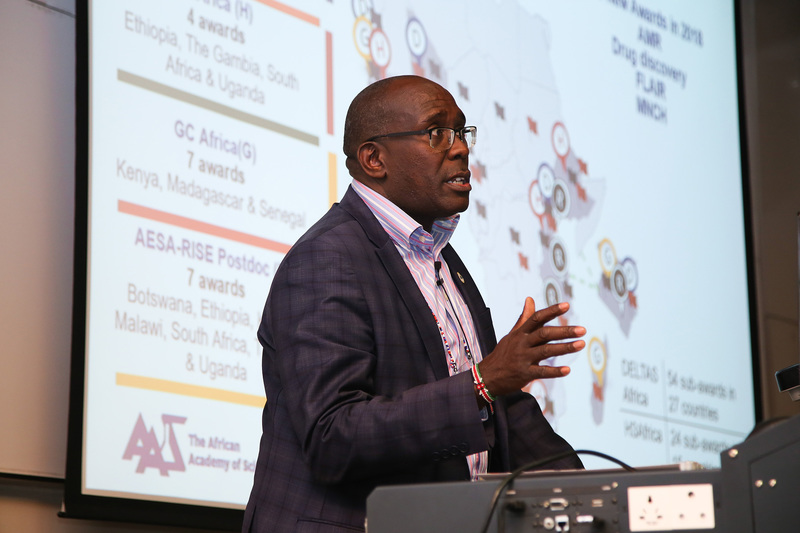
607, 174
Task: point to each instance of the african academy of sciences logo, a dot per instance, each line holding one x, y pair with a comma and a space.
144, 443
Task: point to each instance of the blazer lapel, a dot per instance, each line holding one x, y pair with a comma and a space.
397, 271
472, 297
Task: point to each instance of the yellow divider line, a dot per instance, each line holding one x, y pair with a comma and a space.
185, 389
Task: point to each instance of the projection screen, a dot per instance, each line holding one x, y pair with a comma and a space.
607, 173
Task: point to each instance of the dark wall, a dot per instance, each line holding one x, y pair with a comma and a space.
774, 138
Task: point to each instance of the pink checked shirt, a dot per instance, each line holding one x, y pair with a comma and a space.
420, 250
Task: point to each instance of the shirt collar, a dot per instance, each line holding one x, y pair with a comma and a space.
402, 229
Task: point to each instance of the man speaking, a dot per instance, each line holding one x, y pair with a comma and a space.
380, 362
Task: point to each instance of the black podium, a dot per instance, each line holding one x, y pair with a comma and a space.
755, 490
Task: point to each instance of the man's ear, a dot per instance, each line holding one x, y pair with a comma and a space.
371, 159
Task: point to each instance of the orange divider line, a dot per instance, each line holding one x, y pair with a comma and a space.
289, 10
203, 227
185, 389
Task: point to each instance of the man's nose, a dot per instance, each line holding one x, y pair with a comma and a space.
460, 147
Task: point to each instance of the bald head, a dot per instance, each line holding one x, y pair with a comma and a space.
372, 110
388, 145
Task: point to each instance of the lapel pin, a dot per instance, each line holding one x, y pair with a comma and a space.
460, 277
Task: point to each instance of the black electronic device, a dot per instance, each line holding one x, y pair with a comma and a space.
789, 381
576, 501
761, 479
754, 491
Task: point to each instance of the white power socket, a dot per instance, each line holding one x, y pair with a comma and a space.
671, 507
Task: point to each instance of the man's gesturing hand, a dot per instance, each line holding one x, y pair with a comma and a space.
515, 361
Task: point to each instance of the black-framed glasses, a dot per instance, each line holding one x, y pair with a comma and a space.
441, 139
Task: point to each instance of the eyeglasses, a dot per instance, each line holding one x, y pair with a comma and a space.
441, 139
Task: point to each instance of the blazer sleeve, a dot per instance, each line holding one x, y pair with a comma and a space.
532, 438
343, 358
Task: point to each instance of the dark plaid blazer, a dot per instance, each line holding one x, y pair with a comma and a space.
358, 392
